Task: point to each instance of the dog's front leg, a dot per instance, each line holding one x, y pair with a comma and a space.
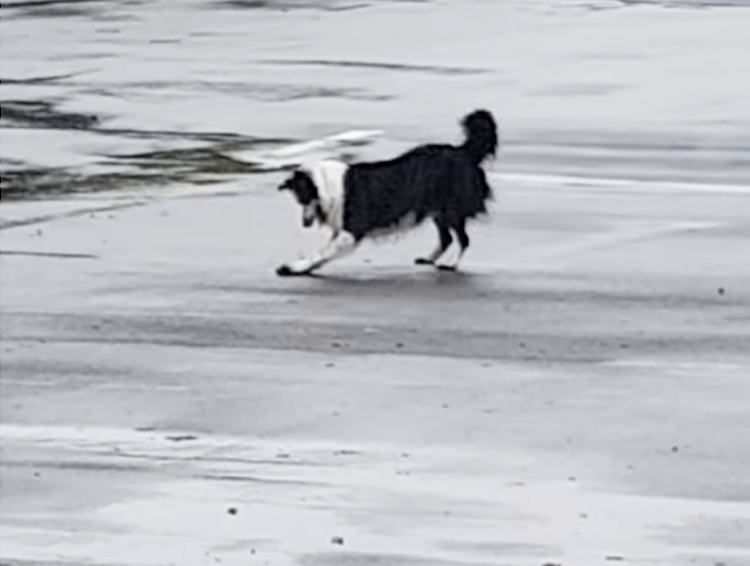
341, 244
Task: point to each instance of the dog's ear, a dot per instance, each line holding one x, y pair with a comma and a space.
288, 184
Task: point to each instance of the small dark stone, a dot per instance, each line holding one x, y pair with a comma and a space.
720, 290
337, 540
232, 510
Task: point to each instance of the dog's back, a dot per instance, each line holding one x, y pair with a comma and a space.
427, 181
431, 180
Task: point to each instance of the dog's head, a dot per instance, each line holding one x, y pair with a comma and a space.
306, 193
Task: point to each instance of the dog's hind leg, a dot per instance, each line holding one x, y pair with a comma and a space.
445, 240
463, 245
341, 244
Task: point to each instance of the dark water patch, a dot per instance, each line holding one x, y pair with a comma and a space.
44, 114
404, 67
43, 80
191, 162
260, 480
53, 255
492, 327
56, 12
44, 183
84, 56
44, 3
75, 466
264, 92
23, 182
286, 5
276, 92
195, 166
7, 163
24, 562
353, 558
231, 139
248, 3
49, 8
38, 183
292, 93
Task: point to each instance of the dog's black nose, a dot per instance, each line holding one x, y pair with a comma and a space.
307, 221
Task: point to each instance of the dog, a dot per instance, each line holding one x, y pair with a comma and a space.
441, 182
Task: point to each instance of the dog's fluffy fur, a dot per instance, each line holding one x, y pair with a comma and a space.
442, 182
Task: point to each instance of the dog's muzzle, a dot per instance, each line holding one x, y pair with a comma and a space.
309, 214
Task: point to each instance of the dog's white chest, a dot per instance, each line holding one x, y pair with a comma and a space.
328, 176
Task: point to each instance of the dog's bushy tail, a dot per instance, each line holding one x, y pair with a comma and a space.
481, 135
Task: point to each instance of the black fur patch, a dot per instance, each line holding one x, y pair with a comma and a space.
302, 187
444, 182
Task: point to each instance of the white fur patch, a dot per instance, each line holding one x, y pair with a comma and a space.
453, 259
342, 243
328, 176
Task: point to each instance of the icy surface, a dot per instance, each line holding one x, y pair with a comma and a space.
598, 87
578, 395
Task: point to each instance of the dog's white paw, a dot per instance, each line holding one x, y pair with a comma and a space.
284, 271
287, 270
446, 267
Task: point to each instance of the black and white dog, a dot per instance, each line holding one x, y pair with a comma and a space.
442, 182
